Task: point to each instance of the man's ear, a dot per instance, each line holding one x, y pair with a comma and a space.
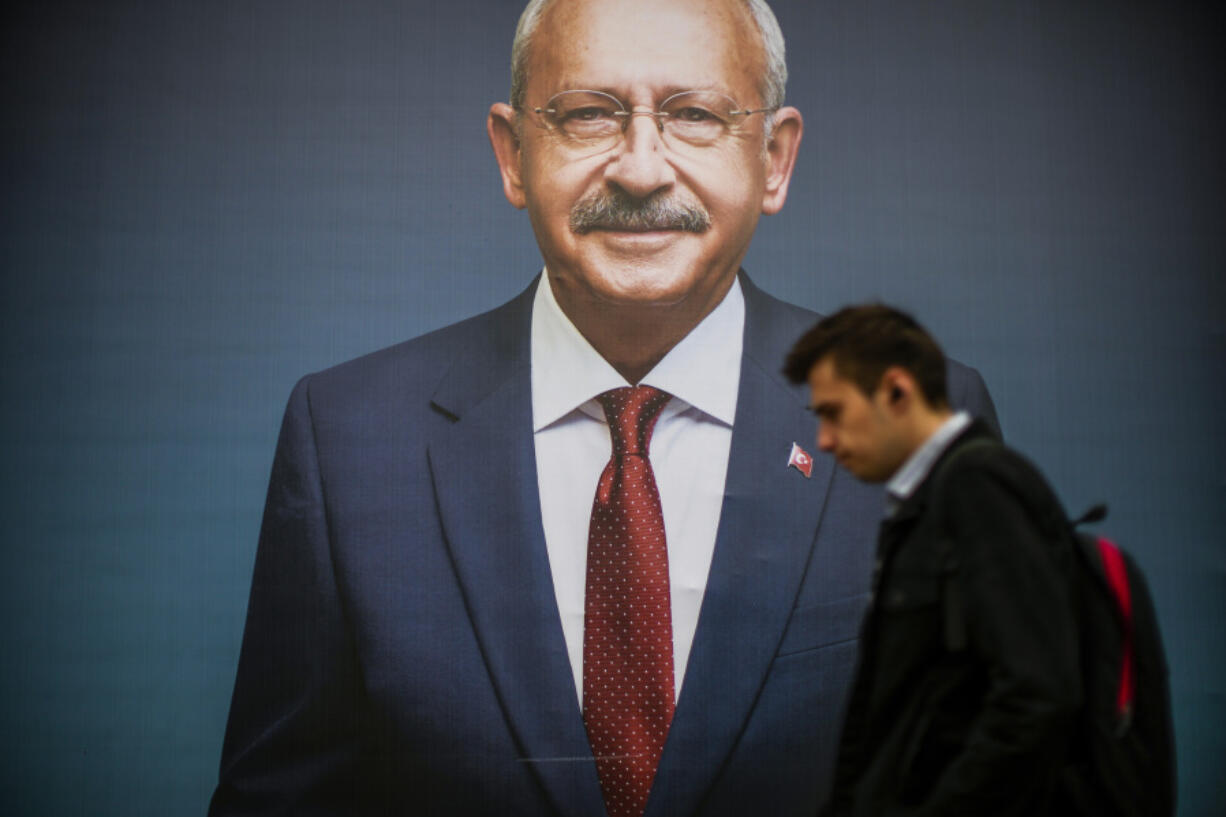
503, 128
897, 387
781, 149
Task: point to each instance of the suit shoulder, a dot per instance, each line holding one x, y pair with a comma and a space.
772, 325
781, 324
487, 339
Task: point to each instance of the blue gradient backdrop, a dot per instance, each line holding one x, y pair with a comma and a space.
203, 201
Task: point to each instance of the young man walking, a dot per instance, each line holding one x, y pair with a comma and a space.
968, 678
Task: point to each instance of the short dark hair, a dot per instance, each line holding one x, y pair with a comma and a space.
863, 341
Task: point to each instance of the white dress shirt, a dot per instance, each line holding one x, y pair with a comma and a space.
689, 454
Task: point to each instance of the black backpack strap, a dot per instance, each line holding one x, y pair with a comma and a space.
953, 614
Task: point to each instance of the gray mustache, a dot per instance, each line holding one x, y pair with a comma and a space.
615, 210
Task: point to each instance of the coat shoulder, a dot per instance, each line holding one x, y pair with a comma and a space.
984, 471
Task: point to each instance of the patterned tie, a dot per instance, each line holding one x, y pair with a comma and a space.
628, 627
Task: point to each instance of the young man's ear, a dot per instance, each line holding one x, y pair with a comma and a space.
897, 386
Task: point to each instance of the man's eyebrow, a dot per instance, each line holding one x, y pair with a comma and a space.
823, 408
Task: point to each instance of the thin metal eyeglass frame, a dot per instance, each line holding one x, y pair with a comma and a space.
658, 115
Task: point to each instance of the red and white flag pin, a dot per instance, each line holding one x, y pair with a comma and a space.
801, 461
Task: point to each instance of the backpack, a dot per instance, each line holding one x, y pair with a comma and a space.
1122, 762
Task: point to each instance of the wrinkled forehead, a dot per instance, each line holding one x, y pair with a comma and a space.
646, 48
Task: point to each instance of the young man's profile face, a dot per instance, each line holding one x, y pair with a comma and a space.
863, 432
642, 52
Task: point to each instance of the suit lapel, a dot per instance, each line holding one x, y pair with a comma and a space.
484, 469
767, 530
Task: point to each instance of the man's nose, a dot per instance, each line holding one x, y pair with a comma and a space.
641, 166
825, 438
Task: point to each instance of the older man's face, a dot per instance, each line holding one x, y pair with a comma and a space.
648, 220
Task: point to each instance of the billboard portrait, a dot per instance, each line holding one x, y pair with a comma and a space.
205, 204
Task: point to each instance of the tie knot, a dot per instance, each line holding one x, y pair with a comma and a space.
632, 412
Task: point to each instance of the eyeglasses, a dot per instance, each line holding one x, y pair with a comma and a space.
593, 121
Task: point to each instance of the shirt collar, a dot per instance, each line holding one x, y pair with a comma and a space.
703, 370
907, 478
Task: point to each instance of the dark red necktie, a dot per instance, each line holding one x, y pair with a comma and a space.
628, 625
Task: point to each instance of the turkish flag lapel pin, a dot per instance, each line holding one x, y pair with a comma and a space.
801, 460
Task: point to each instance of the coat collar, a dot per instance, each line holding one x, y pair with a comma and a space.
915, 504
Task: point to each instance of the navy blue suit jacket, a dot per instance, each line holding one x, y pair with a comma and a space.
403, 651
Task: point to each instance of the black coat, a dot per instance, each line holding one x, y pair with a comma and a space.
975, 721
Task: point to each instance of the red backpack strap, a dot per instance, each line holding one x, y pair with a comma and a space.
1117, 579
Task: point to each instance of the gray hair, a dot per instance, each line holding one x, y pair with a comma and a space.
771, 88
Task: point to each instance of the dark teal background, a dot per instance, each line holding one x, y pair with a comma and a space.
204, 201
